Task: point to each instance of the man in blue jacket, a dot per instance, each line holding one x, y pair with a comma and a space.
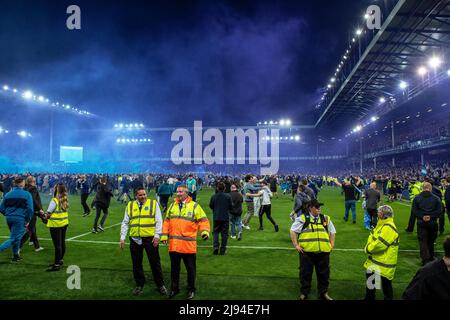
17, 206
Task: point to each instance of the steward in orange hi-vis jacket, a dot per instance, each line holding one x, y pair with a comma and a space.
183, 220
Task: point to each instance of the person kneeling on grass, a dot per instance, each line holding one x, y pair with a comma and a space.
57, 221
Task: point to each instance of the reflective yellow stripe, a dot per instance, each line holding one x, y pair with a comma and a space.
314, 240
382, 264
182, 238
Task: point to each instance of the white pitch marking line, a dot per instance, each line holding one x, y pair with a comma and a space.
85, 234
233, 247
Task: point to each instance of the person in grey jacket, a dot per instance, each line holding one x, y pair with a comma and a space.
301, 202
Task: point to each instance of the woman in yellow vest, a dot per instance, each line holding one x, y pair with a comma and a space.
57, 221
382, 251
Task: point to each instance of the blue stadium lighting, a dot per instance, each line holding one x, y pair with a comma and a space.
23, 134
403, 85
297, 138
141, 125
270, 122
15, 90
265, 122
5, 87
291, 138
27, 94
282, 122
435, 62
382, 100
41, 98
422, 71
358, 32
116, 125
118, 140
373, 119
448, 72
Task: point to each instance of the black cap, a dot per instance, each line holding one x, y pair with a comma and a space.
315, 203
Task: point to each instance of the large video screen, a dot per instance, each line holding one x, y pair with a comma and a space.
70, 154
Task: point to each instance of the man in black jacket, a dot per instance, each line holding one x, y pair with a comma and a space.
427, 208
432, 282
447, 197
221, 206
83, 186
101, 203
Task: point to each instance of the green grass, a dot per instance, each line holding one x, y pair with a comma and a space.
243, 273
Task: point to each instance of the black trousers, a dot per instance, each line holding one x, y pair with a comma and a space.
97, 216
442, 222
220, 228
164, 200
427, 234
84, 204
31, 234
59, 242
137, 255
319, 261
373, 217
386, 285
267, 209
189, 260
411, 222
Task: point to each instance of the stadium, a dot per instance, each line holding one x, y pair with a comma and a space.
170, 105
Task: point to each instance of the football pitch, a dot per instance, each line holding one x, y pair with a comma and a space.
264, 265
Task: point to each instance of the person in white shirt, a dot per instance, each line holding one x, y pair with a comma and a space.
266, 206
144, 220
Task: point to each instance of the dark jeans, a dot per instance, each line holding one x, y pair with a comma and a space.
442, 222
189, 260
84, 204
427, 234
319, 261
97, 216
411, 222
164, 200
59, 242
193, 195
137, 255
386, 285
267, 209
221, 227
31, 234
373, 213
350, 204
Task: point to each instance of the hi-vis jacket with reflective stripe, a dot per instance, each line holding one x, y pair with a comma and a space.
58, 218
314, 238
181, 226
142, 223
382, 248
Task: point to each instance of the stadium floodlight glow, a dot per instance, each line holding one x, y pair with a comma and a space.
15, 90
27, 94
270, 122
448, 72
353, 39
282, 122
41, 98
373, 119
291, 138
422, 71
116, 125
403, 85
136, 125
297, 138
358, 128
333, 80
265, 122
366, 16
329, 86
5, 87
435, 62
118, 140
141, 125
120, 125
358, 32
23, 134
382, 100
288, 122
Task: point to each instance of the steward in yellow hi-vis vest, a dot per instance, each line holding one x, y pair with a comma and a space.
143, 222
57, 219
382, 251
184, 219
313, 236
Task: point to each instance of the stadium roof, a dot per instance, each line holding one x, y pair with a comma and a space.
368, 82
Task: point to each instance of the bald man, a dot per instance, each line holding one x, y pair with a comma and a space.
426, 208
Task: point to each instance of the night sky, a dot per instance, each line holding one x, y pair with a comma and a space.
168, 63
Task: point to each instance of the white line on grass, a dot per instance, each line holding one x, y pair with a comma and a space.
233, 247
85, 234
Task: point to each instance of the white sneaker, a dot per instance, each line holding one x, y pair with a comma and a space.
31, 243
233, 237
246, 227
39, 249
